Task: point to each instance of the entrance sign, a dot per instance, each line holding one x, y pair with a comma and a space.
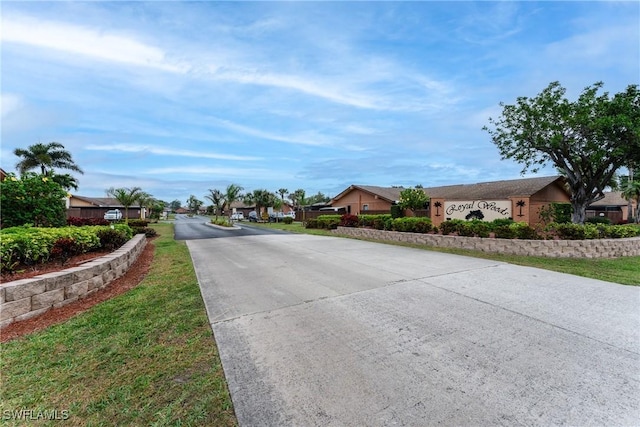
485, 210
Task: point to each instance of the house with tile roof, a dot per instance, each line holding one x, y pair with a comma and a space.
519, 199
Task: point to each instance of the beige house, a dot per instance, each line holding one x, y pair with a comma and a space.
96, 207
518, 199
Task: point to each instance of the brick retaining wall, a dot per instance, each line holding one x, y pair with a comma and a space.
27, 298
597, 248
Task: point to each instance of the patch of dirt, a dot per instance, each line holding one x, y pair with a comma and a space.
129, 280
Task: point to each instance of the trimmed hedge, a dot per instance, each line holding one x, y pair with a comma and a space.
31, 245
500, 228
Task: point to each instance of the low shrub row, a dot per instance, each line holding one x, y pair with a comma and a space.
28, 245
79, 222
499, 228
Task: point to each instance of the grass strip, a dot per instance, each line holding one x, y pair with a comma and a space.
623, 270
146, 357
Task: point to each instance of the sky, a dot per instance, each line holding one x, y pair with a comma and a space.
180, 98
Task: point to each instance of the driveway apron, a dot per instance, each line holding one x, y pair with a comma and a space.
323, 331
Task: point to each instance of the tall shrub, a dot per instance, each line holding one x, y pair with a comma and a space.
32, 199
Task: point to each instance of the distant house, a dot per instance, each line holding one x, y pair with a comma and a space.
95, 207
612, 206
240, 206
519, 199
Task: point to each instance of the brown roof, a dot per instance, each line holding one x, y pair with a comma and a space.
104, 202
493, 190
390, 194
524, 187
613, 198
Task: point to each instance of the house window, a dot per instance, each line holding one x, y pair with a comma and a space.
365, 207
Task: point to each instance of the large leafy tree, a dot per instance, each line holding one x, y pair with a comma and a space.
126, 196
46, 157
588, 140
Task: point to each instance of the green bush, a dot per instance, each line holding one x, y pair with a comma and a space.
329, 222
480, 228
396, 211
412, 224
287, 220
504, 232
598, 220
451, 226
31, 245
147, 231
500, 221
311, 223
524, 231
375, 221
111, 238
138, 223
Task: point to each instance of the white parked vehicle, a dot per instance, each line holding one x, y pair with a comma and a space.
113, 215
238, 216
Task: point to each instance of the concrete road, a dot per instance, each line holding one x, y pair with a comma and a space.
320, 331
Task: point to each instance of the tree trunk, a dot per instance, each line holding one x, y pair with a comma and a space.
579, 214
579, 204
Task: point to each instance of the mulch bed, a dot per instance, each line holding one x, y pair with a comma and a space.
129, 280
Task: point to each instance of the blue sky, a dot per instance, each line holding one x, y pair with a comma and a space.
182, 97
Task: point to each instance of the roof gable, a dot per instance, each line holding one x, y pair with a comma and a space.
390, 194
494, 190
105, 202
613, 198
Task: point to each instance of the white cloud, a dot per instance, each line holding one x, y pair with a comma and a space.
309, 138
10, 103
134, 148
86, 41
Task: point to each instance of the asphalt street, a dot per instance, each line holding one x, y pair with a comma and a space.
317, 331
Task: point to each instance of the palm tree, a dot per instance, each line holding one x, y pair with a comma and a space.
261, 198
232, 195
46, 157
282, 193
144, 199
632, 192
217, 198
194, 204
126, 196
66, 181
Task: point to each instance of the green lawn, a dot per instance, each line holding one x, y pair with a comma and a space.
625, 270
146, 357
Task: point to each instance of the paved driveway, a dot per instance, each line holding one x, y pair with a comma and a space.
317, 331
